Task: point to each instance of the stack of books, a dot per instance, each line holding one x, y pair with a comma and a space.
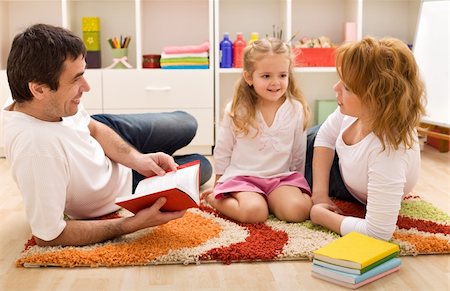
355, 260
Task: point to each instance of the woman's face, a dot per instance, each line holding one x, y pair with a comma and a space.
349, 103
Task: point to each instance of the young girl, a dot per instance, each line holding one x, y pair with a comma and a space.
261, 145
381, 101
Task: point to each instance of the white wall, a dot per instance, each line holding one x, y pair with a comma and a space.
432, 52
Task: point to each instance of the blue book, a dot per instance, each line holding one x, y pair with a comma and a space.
354, 278
351, 270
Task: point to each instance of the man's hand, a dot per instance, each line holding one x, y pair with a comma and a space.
154, 164
151, 216
84, 232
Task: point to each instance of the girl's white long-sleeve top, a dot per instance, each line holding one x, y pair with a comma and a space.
278, 150
375, 177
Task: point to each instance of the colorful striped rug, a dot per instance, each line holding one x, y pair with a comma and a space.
203, 235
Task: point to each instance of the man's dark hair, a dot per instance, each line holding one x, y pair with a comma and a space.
37, 55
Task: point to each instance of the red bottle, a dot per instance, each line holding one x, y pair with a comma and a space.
238, 50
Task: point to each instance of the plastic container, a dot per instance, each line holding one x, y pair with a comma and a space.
254, 37
151, 61
122, 55
238, 50
226, 52
315, 57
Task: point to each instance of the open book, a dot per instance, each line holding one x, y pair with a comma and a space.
181, 188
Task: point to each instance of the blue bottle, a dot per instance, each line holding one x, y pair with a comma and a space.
226, 51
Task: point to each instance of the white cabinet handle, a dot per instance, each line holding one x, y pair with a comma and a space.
149, 88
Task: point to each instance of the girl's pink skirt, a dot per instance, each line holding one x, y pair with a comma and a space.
260, 185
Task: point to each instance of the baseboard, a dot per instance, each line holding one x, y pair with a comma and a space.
203, 150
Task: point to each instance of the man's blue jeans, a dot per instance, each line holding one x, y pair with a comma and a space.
158, 132
336, 186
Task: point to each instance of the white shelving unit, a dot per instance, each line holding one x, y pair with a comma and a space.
310, 18
153, 24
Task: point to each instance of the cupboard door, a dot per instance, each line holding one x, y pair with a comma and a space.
155, 89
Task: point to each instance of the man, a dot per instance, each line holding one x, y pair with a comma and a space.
67, 163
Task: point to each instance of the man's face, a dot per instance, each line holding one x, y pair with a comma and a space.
64, 101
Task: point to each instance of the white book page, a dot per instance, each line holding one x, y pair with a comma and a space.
156, 184
187, 181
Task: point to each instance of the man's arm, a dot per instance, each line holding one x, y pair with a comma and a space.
118, 150
83, 232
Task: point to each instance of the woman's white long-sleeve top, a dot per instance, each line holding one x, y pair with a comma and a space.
375, 177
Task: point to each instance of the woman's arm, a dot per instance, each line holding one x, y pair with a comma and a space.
324, 151
321, 165
323, 214
387, 177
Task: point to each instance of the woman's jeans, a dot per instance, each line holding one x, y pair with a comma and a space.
158, 132
336, 186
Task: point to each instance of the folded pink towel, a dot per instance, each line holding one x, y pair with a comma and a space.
204, 47
188, 55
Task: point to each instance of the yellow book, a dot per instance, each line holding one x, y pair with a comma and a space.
355, 251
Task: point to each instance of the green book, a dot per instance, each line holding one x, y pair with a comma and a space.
354, 271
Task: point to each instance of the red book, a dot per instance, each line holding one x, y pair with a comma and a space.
180, 187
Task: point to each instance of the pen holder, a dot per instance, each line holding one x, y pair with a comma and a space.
120, 59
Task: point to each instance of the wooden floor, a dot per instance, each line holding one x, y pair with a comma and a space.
416, 273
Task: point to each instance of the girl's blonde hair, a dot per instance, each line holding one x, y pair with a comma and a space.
384, 75
243, 106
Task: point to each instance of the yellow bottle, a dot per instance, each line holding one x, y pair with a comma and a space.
254, 37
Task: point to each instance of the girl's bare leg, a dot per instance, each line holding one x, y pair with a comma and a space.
288, 203
246, 207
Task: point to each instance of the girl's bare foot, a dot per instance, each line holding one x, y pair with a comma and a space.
207, 196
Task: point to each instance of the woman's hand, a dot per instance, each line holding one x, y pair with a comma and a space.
330, 205
327, 216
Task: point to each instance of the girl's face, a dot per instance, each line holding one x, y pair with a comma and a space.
349, 103
270, 78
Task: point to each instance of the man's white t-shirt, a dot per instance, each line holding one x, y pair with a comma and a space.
61, 169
